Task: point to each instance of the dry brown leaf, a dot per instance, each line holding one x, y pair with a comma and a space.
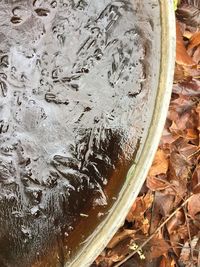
196, 180
191, 134
141, 205
179, 167
190, 152
196, 57
120, 236
163, 203
120, 251
175, 240
180, 190
189, 12
167, 262
179, 131
156, 248
145, 226
156, 184
194, 41
160, 164
181, 74
175, 222
194, 206
168, 199
167, 139
182, 57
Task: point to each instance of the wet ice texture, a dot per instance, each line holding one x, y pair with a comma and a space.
72, 101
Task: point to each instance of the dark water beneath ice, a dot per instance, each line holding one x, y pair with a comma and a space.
75, 84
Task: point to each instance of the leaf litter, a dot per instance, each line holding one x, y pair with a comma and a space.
162, 229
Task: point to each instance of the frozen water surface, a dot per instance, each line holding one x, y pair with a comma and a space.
76, 80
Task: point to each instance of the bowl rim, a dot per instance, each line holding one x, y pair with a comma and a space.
138, 172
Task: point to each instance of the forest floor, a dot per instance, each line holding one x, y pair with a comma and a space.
162, 228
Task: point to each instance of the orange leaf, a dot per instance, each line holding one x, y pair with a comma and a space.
167, 262
182, 57
160, 164
194, 41
191, 134
180, 74
141, 205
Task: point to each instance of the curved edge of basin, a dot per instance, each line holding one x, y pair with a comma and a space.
138, 173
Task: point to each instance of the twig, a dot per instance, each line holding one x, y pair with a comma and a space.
151, 236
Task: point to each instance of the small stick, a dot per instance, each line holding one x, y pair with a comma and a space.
151, 236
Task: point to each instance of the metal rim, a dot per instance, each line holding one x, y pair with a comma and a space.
137, 174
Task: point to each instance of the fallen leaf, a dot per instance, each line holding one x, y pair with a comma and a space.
120, 236
189, 12
179, 167
120, 251
160, 163
194, 41
145, 225
189, 88
167, 262
177, 237
156, 184
194, 206
182, 57
181, 74
196, 57
167, 139
177, 220
196, 180
163, 203
156, 248
191, 134
189, 152
141, 205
